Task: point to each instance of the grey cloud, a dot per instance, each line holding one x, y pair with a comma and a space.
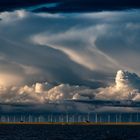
41, 57
83, 49
124, 43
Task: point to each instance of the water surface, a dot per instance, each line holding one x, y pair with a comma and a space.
69, 132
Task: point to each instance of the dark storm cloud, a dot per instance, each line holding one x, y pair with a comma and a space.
70, 5
91, 5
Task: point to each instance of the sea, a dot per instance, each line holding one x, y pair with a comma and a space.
68, 132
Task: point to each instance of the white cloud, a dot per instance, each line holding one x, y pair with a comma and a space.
46, 96
126, 87
39, 93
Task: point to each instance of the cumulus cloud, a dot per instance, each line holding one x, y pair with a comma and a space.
65, 97
41, 93
126, 87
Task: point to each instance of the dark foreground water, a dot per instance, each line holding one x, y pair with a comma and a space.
69, 132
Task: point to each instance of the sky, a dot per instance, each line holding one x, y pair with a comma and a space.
54, 53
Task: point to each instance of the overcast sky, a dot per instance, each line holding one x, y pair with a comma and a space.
62, 50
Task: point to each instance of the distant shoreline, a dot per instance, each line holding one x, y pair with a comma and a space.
70, 123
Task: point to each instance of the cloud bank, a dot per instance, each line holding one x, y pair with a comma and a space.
42, 95
126, 87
